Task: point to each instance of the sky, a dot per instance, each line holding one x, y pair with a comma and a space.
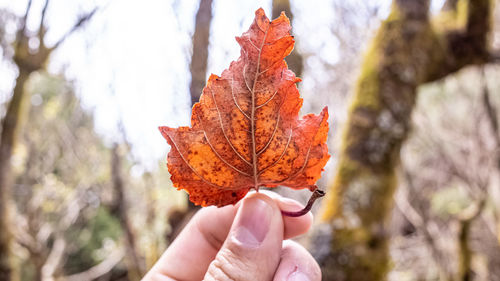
131, 62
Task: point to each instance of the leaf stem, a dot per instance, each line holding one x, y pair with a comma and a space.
316, 194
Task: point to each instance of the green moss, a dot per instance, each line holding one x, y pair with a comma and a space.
368, 83
353, 181
450, 20
461, 13
346, 170
353, 262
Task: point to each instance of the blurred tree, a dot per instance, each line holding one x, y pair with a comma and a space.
408, 50
63, 177
450, 177
134, 262
294, 60
28, 58
199, 58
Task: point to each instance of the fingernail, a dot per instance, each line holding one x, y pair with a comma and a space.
298, 276
253, 221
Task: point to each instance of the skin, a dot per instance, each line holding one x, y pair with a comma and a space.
246, 241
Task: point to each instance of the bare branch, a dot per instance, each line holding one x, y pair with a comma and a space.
449, 5
84, 19
492, 116
495, 56
491, 112
472, 211
21, 33
466, 217
21, 235
100, 269
427, 228
72, 213
42, 29
136, 267
53, 261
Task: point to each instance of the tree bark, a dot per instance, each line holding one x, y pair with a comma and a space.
294, 60
465, 272
10, 126
199, 58
406, 52
135, 267
199, 61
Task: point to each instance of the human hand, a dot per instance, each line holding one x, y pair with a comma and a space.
241, 242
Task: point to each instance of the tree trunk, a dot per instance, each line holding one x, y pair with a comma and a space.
465, 254
294, 60
406, 52
199, 59
10, 128
27, 62
134, 264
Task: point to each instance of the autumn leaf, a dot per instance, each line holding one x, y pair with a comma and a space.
245, 131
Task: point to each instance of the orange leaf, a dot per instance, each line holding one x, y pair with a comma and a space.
245, 131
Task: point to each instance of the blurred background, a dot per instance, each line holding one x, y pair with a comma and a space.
413, 185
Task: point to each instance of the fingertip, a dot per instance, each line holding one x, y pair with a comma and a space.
268, 197
297, 264
293, 226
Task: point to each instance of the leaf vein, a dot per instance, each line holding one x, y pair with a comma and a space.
268, 100
218, 155
282, 154
272, 135
252, 120
306, 161
191, 167
251, 43
224, 132
236, 102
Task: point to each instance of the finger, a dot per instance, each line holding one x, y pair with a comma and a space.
253, 244
296, 264
189, 256
294, 226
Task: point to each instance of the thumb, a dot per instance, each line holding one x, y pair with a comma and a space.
253, 246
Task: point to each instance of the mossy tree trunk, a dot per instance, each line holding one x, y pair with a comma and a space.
9, 132
294, 60
408, 50
17, 109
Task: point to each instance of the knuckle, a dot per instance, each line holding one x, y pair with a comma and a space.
226, 267
209, 236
